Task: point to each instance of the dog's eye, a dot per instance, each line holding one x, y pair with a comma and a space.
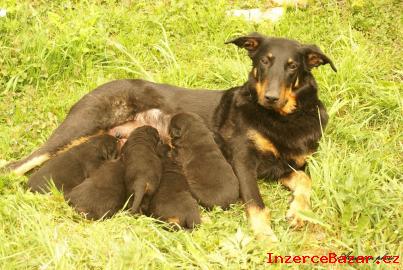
292, 66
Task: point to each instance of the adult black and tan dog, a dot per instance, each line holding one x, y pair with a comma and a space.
271, 123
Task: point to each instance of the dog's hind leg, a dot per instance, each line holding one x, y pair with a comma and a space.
91, 115
301, 186
79, 124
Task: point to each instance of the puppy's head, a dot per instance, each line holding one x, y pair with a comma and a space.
280, 67
107, 145
163, 150
144, 133
183, 124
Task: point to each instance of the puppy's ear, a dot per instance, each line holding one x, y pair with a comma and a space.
250, 42
314, 57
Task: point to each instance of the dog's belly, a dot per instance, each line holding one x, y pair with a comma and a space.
154, 117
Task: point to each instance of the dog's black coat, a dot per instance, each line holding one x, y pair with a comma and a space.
278, 105
101, 195
143, 166
173, 201
210, 177
70, 168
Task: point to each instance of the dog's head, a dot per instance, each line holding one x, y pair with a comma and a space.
184, 123
108, 146
144, 135
279, 68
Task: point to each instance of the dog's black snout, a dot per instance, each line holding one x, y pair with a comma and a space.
271, 98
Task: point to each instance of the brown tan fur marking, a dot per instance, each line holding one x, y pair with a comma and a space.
262, 144
32, 163
174, 220
77, 142
301, 186
260, 222
147, 188
296, 84
260, 90
254, 72
290, 99
300, 160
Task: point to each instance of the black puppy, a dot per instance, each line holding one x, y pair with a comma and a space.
173, 201
101, 195
69, 168
210, 177
143, 166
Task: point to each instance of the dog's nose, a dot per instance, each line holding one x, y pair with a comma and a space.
271, 98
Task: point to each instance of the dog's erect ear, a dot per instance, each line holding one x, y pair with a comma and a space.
249, 42
314, 57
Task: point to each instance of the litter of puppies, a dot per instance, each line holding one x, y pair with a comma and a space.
98, 177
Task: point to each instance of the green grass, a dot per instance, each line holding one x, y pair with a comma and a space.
53, 52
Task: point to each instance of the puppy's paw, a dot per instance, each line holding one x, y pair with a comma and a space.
299, 203
260, 223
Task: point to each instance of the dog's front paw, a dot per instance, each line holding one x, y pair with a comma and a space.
298, 204
260, 223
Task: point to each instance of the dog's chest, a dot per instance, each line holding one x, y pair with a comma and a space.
261, 143
268, 149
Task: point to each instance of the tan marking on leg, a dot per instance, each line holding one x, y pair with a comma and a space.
259, 220
78, 141
174, 220
301, 186
260, 90
262, 144
30, 164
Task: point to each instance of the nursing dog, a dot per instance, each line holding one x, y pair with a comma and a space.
210, 177
271, 123
173, 201
72, 165
101, 195
143, 166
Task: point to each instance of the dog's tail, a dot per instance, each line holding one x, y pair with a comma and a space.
138, 197
140, 190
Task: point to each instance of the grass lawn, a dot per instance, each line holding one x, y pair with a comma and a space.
53, 52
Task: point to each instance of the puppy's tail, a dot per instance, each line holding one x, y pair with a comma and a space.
138, 198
